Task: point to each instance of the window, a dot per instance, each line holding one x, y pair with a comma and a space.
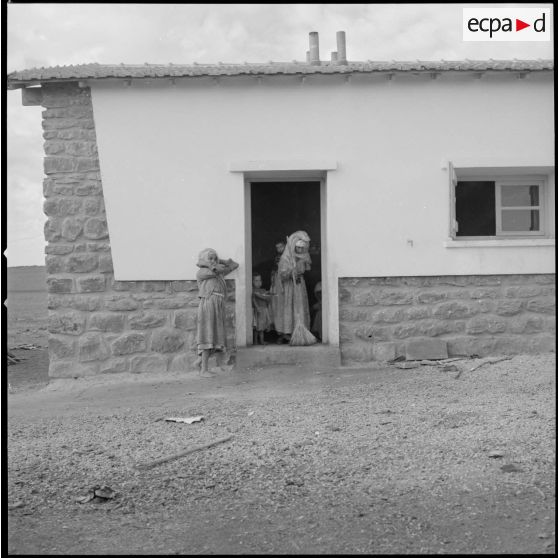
490, 204
497, 208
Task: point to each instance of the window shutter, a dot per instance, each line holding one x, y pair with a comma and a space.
454, 225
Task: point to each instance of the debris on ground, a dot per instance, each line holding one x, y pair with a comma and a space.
186, 420
156, 462
12, 359
97, 494
485, 362
495, 454
26, 347
511, 468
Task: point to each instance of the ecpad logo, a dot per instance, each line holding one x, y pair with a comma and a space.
506, 24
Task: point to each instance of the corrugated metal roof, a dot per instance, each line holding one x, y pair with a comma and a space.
128, 71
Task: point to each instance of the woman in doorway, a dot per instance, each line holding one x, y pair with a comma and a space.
212, 338
274, 289
292, 308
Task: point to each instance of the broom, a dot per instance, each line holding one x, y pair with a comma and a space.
300, 336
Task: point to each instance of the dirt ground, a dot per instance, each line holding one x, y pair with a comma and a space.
367, 460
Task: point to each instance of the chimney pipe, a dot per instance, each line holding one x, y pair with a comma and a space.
341, 48
314, 49
308, 57
334, 57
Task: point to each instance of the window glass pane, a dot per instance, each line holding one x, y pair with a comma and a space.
475, 208
514, 220
519, 195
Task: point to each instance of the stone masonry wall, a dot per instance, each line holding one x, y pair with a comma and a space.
482, 315
97, 324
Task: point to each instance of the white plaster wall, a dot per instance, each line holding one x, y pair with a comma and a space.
165, 153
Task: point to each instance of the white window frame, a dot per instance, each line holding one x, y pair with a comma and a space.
508, 174
502, 183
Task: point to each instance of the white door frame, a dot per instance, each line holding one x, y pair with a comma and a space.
281, 176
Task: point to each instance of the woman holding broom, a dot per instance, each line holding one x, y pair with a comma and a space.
292, 321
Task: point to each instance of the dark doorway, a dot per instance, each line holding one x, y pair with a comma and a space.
279, 209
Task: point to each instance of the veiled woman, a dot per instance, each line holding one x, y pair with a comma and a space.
292, 299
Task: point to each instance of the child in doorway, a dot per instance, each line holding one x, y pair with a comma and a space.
211, 338
260, 309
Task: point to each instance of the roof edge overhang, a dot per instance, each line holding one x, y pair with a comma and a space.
85, 81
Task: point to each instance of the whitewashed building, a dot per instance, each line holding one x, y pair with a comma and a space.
427, 189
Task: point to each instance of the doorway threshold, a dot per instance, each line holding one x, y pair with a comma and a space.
318, 356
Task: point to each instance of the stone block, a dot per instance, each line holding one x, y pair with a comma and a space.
92, 346
91, 206
52, 230
394, 297
53, 164
59, 249
148, 363
82, 263
61, 207
106, 321
143, 320
72, 369
123, 285
89, 189
71, 228
91, 284
389, 315
384, 352
105, 263
54, 264
345, 295
404, 331
453, 310
113, 366
485, 324
365, 298
84, 164
95, 228
546, 305
428, 297
153, 286
426, 349
433, 328
85, 303
167, 340
185, 319
184, 286
121, 303
524, 291
485, 293
417, 312
80, 248
98, 246
59, 285
61, 347
129, 343
69, 323
508, 307
55, 301
179, 301
354, 314
527, 324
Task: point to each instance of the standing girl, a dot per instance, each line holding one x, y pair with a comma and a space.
212, 293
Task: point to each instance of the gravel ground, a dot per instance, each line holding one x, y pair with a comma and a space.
377, 460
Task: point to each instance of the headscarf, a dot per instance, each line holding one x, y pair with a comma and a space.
290, 260
203, 257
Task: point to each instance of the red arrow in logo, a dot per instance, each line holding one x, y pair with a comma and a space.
519, 25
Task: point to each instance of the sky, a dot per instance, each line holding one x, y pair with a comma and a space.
51, 34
